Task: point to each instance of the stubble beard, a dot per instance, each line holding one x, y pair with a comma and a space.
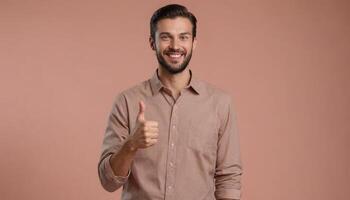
169, 68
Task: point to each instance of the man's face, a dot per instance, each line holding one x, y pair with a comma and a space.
174, 44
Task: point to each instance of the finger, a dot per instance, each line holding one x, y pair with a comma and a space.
149, 134
152, 142
151, 123
141, 114
151, 129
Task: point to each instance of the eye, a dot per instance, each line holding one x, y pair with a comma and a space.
164, 37
184, 37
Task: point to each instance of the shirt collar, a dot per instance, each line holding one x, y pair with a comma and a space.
156, 84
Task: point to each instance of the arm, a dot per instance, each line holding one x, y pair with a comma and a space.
116, 133
121, 161
119, 148
228, 164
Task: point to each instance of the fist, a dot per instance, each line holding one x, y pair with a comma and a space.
146, 132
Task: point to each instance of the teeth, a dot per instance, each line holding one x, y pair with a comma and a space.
175, 55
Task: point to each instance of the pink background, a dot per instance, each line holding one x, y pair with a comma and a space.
286, 64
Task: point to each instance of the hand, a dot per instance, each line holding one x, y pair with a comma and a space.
146, 132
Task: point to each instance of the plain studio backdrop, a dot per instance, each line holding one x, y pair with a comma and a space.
285, 63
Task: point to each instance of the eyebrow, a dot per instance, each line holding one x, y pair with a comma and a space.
186, 33
167, 33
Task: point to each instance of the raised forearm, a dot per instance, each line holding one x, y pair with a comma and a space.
121, 161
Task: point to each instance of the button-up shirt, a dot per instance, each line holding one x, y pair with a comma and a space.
197, 156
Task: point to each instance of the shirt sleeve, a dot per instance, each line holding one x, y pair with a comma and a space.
110, 174
115, 135
228, 170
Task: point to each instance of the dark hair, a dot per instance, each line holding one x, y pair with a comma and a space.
172, 11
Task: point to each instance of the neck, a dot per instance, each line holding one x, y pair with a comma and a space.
175, 82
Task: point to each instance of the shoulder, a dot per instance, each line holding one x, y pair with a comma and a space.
211, 90
141, 88
222, 100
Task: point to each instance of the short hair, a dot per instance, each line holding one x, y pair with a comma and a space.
172, 11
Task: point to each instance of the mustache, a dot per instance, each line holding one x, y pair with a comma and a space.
174, 51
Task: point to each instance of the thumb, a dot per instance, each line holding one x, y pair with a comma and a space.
141, 115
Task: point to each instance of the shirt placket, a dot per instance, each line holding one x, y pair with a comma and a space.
171, 158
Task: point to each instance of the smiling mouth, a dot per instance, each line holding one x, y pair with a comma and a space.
174, 56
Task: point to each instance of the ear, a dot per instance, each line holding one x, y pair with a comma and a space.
152, 43
194, 43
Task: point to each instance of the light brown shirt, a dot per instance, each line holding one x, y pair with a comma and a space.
197, 156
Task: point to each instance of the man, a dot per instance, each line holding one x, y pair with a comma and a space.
172, 136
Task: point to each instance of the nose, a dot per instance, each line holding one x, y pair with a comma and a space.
174, 44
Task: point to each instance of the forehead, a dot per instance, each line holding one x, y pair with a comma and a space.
175, 25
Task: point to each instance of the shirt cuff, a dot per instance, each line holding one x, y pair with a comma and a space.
110, 173
228, 194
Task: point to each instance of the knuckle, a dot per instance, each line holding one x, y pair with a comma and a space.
147, 123
145, 135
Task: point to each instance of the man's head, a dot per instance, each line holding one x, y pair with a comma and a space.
173, 37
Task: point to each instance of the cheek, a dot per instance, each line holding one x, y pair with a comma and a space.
161, 48
188, 46
188, 49
162, 44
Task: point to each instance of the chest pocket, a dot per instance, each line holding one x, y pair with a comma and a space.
203, 135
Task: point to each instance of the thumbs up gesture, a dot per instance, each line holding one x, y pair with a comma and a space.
146, 132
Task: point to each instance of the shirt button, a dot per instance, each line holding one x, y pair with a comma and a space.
172, 145
174, 126
171, 164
